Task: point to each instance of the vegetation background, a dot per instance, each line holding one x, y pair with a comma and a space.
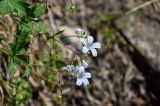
35, 42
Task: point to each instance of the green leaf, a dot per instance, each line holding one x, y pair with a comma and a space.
12, 67
21, 43
27, 72
36, 26
58, 98
59, 63
23, 58
21, 104
39, 9
73, 8
39, 26
19, 96
109, 17
18, 6
108, 32
59, 33
25, 26
13, 85
23, 84
4, 8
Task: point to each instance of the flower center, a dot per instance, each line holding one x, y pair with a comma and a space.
80, 76
88, 45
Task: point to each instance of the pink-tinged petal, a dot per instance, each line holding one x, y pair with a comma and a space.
85, 49
85, 81
94, 52
79, 82
95, 45
83, 41
87, 75
90, 40
85, 64
87, 33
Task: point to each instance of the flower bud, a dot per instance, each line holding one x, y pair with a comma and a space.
85, 64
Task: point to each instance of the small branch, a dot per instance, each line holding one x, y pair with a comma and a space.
4, 51
141, 6
71, 2
40, 52
70, 36
74, 51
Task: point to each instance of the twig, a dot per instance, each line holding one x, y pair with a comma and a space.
76, 52
89, 96
71, 2
40, 53
141, 6
70, 36
4, 51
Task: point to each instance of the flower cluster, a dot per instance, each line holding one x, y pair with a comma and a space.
88, 47
79, 73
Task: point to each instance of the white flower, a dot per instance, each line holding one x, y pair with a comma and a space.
85, 64
68, 68
89, 45
82, 76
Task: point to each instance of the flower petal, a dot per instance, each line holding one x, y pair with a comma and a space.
79, 82
80, 69
85, 81
94, 52
90, 40
85, 49
84, 41
95, 45
70, 67
85, 64
87, 75
87, 33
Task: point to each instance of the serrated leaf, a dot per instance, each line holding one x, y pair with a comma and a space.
36, 26
18, 6
39, 26
27, 72
25, 26
38, 9
12, 67
20, 43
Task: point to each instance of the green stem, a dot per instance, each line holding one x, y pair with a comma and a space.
4, 51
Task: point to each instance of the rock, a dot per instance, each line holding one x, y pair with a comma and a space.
144, 32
